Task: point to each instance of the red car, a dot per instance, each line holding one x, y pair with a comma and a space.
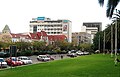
12, 61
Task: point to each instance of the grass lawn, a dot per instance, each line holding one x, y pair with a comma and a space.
97, 65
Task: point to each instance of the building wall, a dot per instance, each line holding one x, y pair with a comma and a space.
81, 37
5, 37
52, 27
92, 28
83, 28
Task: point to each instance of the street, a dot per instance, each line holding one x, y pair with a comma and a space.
56, 57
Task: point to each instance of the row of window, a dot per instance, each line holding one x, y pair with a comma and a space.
50, 25
53, 29
54, 32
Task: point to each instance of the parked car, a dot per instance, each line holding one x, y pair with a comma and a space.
25, 60
72, 51
80, 53
97, 51
72, 54
13, 61
3, 64
86, 53
51, 58
43, 58
2, 54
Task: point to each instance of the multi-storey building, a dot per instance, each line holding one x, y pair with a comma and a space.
91, 28
51, 27
81, 37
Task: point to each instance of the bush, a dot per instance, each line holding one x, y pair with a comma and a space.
25, 53
4, 55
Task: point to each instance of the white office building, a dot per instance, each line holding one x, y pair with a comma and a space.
91, 28
52, 27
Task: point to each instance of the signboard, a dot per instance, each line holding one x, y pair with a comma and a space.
65, 28
13, 50
40, 18
65, 21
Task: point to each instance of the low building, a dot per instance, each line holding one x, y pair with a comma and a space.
7, 36
91, 28
81, 37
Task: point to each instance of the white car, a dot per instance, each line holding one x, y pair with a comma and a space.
72, 54
80, 53
86, 53
25, 60
3, 64
43, 58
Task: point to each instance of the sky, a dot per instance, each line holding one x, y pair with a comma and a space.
17, 13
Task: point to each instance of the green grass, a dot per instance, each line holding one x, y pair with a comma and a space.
84, 66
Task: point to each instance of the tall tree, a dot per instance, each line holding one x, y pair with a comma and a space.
111, 5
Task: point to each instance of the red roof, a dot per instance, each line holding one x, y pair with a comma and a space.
37, 36
34, 36
56, 37
20, 35
15, 35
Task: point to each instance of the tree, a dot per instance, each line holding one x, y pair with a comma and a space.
111, 5
86, 47
96, 41
39, 45
22, 46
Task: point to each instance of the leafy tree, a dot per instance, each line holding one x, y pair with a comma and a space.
50, 47
96, 40
111, 5
86, 47
22, 46
39, 45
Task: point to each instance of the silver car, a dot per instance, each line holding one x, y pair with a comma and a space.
43, 58
25, 60
3, 64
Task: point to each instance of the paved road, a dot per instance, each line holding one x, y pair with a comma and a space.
56, 57
34, 59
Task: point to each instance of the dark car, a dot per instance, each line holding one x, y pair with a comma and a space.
2, 54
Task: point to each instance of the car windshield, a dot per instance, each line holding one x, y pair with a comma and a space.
25, 58
43, 56
1, 60
14, 59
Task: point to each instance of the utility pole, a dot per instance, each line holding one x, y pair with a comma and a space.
111, 40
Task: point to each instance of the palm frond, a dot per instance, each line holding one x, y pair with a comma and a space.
101, 2
111, 6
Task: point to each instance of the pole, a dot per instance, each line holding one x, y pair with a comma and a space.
111, 40
116, 42
104, 43
99, 43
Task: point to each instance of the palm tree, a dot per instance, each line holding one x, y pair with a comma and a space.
111, 5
